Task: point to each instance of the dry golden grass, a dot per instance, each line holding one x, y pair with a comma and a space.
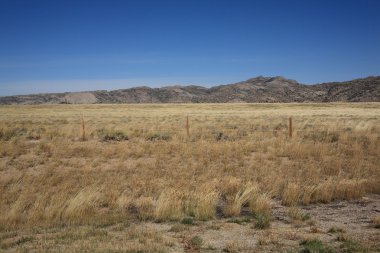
57, 169
235, 201
260, 204
201, 202
376, 221
169, 206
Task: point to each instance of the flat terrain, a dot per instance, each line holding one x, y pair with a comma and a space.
135, 178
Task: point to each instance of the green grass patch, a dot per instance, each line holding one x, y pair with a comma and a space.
314, 246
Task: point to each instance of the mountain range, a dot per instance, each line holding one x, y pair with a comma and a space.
255, 90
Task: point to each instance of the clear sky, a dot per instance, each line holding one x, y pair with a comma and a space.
54, 46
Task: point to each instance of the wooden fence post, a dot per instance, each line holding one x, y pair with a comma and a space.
187, 126
290, 127
83, 128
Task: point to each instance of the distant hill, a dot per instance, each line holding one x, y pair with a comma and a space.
259, 89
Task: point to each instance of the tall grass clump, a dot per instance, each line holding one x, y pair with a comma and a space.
145, 208
235, 201
201, 203
291, 194
169, 206
260, 205
83, 207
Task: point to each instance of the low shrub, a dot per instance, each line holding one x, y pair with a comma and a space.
158, 137
187, 221
314, 246
111, 135
262, 221
196, 242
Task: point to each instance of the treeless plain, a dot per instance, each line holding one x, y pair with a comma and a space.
133, 178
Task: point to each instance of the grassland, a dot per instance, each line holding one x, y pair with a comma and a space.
128, 178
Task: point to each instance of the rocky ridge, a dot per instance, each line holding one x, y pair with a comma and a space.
255, 90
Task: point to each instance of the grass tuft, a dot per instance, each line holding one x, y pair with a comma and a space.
169, 206
376, 221
234, 202
314, 246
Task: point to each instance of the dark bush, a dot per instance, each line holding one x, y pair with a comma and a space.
158, 137
111, 135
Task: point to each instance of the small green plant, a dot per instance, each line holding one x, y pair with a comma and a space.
111, 135
213, 227
350, 246
314, 246
178, 228
187, 221
24, 239
306, 217
196, 242
211, 247
262, 221
240, 220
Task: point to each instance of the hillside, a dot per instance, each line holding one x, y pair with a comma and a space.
258, 89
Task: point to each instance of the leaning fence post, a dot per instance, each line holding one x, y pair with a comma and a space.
187, 126
290, 127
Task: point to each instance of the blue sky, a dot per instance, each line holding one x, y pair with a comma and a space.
55, 46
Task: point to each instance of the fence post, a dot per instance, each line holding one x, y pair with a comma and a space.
290, 127
187, 126
83, 128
